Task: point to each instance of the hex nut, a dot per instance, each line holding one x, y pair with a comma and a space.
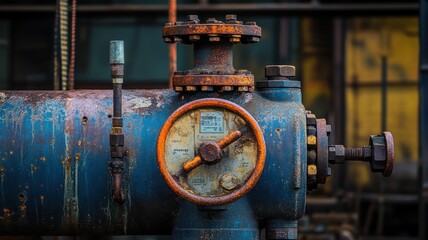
192, 18
231, 17
312, 170
312, 140
280, 71
340, 154
378, 145
332, 154
194, 37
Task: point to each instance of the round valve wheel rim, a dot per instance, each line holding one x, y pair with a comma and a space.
216, 103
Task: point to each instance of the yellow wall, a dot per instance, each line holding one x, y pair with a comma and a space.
366, 41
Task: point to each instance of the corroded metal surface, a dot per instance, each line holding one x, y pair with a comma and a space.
186, 30
322, 151
55, 146
246, 80
179, 180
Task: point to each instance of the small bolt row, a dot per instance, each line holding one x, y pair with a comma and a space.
194, 19
207, 72
212, 88
211, 38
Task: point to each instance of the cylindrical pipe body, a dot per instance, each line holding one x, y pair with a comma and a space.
54, 146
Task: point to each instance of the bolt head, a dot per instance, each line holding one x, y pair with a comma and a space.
214, 39
228, 181
211, 20
210, 151
207, 88
378, 145
280, 71
312, 170
226, 88
194, 37
231, 17
332, 153
192, 18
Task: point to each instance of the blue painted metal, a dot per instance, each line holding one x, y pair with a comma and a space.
55, 147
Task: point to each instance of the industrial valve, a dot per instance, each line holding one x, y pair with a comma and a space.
219, 156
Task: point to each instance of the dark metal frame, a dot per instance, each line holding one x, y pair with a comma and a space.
268, 9
423, 106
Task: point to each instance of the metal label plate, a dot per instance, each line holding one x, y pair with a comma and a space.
212, 122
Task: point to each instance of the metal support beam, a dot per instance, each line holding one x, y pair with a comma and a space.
264, 9
423, 124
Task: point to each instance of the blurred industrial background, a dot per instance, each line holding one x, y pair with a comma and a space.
358, 62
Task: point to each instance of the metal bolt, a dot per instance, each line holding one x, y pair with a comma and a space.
226, 88
178, 88
243, 89
169, 24
192, 18
190, 88
228, 181
213, 38
194, 37
235, 38
231, 17
211, 20
242, 71
312, 140
312, 170
250, 23
178, 39
280, 71
252, 39
207, 88
167, 40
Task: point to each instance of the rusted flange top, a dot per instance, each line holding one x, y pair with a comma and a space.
213, 55
192, 30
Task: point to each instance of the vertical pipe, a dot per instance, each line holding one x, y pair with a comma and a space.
117, 139
172, 18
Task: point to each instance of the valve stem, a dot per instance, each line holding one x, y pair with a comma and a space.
117, 139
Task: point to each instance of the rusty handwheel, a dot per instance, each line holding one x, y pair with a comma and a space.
211, 151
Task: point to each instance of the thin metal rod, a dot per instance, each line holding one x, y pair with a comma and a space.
172, 18
72, 47
63, 32
117, 100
